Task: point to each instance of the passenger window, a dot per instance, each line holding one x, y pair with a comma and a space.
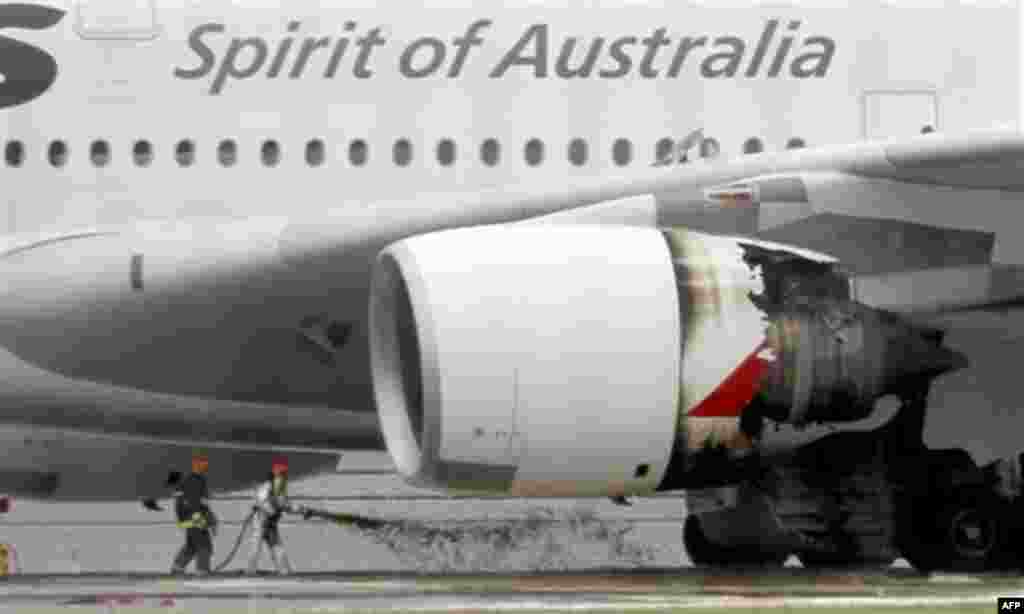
142, 153
446, 152
358, 152
315, 152
185, 153
402, 152
622, 152
227, 152
710, 148
534, 152
578, 152
663, 149
490, 152
58, 153
796, 143
99, 153
270, 153
753, 145
14, 153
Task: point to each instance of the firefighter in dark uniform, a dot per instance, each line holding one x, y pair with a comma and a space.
191, 507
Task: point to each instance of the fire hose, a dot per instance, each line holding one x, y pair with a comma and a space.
238, 542
354, 520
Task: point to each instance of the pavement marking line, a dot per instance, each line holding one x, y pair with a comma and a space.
942, 578
586, 584
546, 592
840, 582
730, 601
728, 583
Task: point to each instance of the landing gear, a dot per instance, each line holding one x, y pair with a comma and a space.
948, 514
838, 560
838, 504
952, 519
965, 536
845, 556
705, 552
839, 552
863, 499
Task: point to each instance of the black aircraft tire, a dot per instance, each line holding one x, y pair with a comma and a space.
848, 556
820, 560
705, 553
839, 560
701, 551
963, 535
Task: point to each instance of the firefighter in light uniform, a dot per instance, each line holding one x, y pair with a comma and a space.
271, 502
191, 507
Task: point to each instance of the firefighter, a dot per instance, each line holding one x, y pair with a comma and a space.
271, 502
191, 507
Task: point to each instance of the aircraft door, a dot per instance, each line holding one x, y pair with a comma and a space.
125, 20
898, 113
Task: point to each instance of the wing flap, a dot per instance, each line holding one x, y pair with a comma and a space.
992, 161
961, 296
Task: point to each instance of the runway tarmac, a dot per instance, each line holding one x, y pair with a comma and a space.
552, 555
609, 590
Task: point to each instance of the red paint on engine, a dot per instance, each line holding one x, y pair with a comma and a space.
738, 390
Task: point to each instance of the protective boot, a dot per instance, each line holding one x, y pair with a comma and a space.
203, 562
254, 557
182, 559
281, 562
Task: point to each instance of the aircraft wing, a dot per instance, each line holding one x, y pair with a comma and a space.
990, 166
925, 224
991, 161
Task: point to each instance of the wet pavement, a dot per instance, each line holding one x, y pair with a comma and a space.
597, 590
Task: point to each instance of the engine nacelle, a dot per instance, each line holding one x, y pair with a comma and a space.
589, 361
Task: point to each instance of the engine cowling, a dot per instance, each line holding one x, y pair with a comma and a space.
597, 360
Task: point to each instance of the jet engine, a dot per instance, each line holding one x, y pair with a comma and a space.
601, 360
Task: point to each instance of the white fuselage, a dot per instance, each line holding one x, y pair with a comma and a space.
594, 88
200, 113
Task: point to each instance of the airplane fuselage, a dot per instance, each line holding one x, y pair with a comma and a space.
217, 109
181, 121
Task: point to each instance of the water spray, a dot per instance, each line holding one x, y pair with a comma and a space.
360, 522
490, 545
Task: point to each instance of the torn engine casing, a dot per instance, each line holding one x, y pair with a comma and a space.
599, 360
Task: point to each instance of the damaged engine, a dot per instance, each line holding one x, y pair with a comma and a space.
598, 360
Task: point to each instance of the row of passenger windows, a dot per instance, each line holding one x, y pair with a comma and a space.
270, 152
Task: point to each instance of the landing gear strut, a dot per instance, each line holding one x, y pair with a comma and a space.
862, 499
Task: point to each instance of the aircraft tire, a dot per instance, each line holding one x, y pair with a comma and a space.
839, 560
705, 553
965, 534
